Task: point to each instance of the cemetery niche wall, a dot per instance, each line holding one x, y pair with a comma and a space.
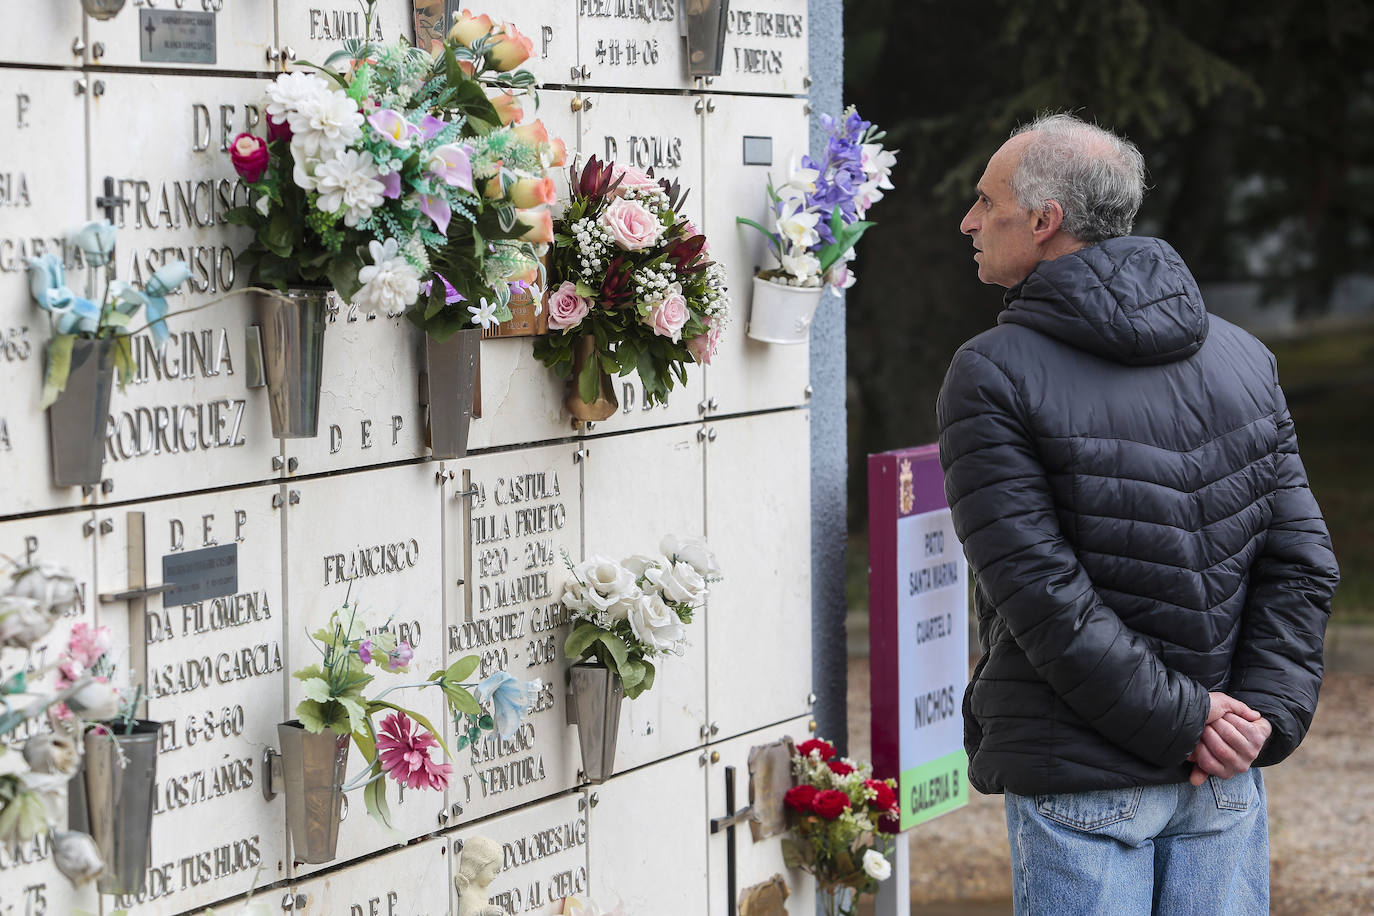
131, 117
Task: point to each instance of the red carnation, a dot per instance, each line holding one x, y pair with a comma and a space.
886, 799
800, 797
827, 750
840, 768
830, 804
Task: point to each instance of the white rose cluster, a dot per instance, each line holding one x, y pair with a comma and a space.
36, 597
651, 597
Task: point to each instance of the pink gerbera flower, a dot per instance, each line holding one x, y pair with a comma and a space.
404, 755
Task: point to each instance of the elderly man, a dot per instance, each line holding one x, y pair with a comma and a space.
1153, 576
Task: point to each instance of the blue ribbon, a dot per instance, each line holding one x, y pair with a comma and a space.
48, 283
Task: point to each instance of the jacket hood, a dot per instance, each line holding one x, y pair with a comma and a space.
1129, 300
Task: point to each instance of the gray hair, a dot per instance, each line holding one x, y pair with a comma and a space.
1097, 177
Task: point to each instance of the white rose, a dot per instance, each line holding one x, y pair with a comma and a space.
76, 856
680, 583
23, 621
690, 550
95, 702
52, 586
52, 754
638, 564
607, 582
877, 866
656, 625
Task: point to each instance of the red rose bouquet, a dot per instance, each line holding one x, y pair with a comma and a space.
630, 273
841, 815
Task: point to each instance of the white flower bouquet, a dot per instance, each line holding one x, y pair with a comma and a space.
635, 610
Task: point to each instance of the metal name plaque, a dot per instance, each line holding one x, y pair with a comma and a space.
758, 150
199, 575
176, 36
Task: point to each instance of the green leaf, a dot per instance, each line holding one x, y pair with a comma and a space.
581, 639
311, 716
616, 647
461, 701
461, 742
631, 673
316, 688
357, 715
374, 797
649, 672
486, 723
243, 216
343, 275
589, 381
59, 367
459, 670
749, 222
584, 290
123, 354
277, 236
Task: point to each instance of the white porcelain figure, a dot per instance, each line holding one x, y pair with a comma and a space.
479, 865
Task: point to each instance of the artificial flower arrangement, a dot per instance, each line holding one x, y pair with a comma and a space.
630, 612
74, 317
336, 699
842, 825
400, 182
34, 781
630, 282
817, 215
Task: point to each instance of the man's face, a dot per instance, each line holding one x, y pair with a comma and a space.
1001, 229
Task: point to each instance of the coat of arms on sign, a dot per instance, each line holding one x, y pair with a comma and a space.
907, 487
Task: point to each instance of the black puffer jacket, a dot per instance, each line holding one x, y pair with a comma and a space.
1125, 479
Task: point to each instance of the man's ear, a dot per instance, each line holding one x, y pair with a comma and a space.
1046, 224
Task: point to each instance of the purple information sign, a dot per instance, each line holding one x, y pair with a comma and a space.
917, 633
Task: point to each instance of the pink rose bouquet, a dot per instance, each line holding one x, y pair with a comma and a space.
630, 270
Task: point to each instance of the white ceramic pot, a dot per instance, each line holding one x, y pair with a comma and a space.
782, 314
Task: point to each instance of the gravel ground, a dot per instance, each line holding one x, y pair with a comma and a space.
1321, 811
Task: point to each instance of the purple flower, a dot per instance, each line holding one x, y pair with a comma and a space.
452, 164
431, 126
391, 185
392, 125
451, 295
365, 651
400, 657
437, 209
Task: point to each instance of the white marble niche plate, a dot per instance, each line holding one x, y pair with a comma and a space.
551, 26
544, 849
766, 47
747, 374
40, 206
634, 46
667, 718
755, 863
506, 547
243, 31
623, 867
216, 679
331, 523
758, 522
179, 185
43, 33
317, 29
662, 132
414, 880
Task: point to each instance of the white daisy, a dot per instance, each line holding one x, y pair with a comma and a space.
390, 283
325, 123
288, 91
349, 180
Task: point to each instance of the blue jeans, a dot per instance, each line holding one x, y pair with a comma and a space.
1169, 850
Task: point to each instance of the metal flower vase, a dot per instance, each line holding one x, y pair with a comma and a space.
605, 404
313, 768
451, 369
76, 420
594, 707
292, 328
782, 314
120, 769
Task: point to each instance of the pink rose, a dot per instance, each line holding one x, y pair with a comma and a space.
278, 130
631, 177
249, 155
668, 316
566, 307
631, 224
703, 346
